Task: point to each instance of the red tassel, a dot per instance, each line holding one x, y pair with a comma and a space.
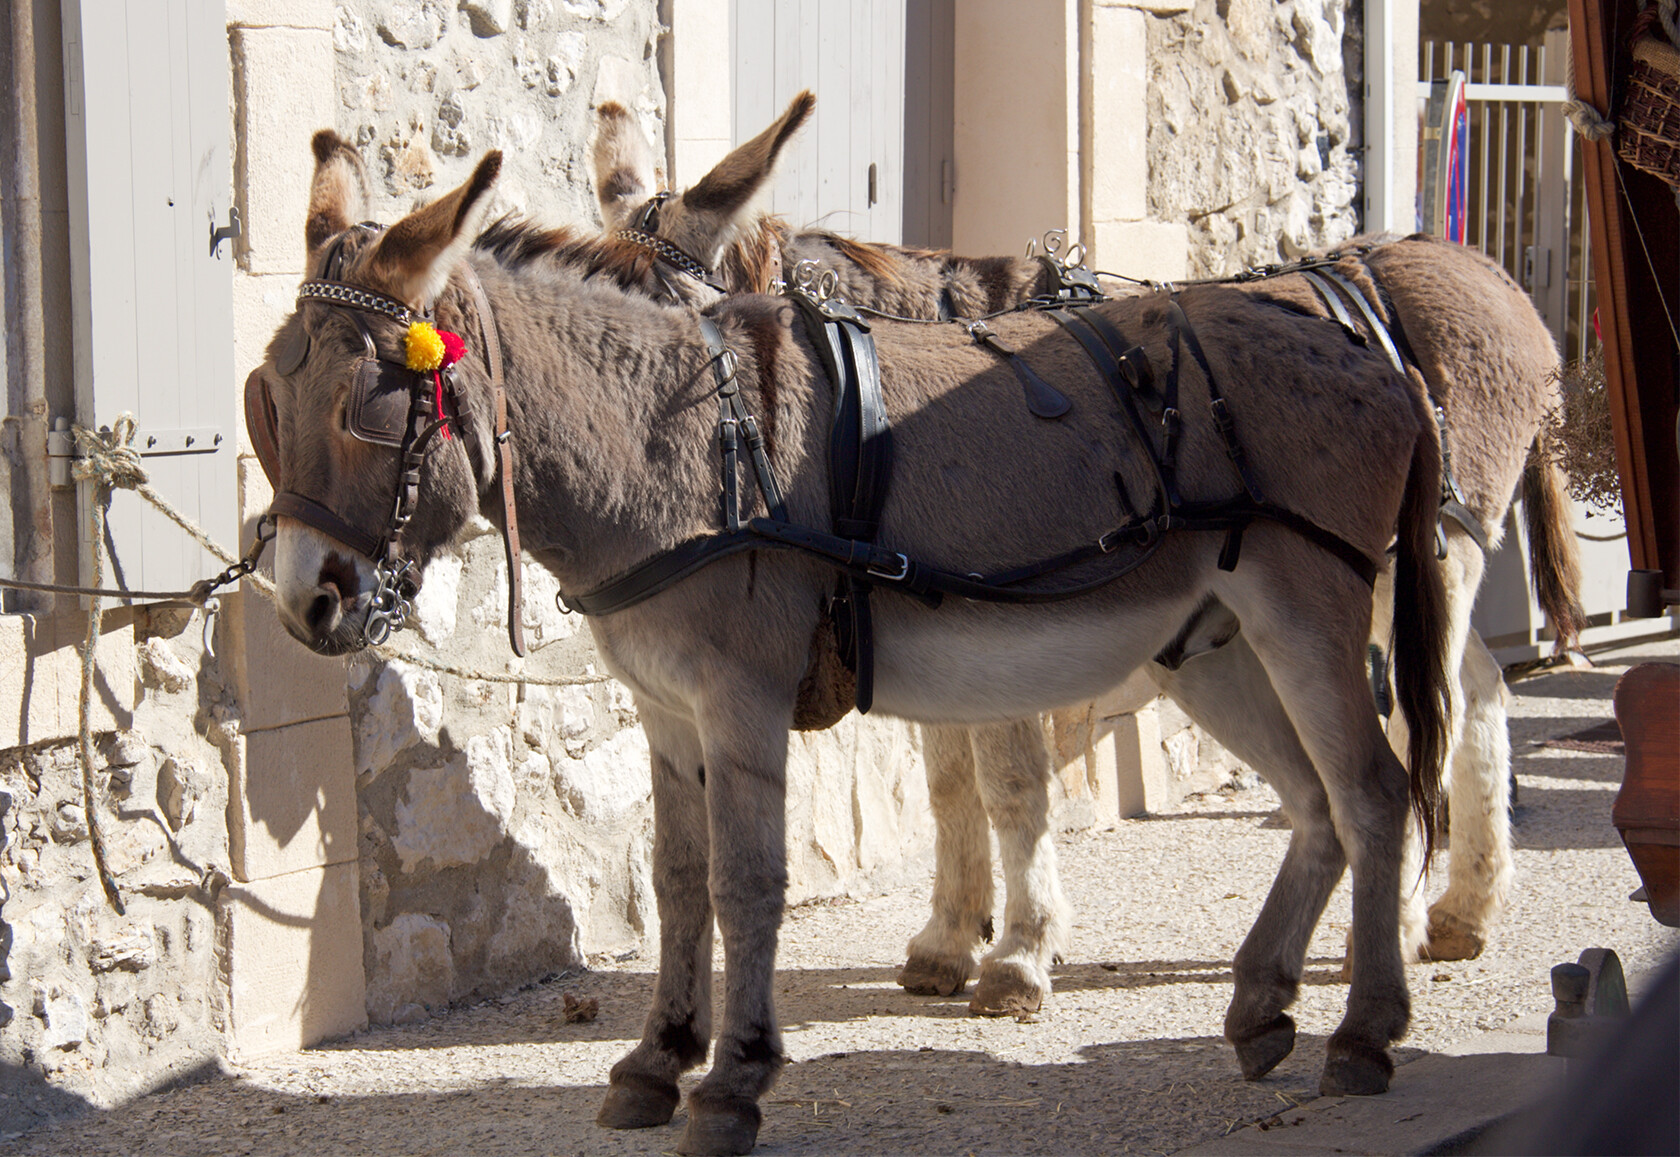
454, 349
437, 380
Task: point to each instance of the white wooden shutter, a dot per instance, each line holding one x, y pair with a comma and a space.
851, 54
147, 128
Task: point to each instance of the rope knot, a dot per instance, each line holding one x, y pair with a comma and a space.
108, 458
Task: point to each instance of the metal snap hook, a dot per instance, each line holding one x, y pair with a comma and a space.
212, 607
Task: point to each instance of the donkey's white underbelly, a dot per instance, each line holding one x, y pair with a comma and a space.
969, 664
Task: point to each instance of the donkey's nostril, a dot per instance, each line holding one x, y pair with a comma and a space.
323, 613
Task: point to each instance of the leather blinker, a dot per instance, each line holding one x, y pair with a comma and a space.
380, 395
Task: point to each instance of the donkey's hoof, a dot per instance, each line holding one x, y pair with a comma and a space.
1355, 1070
636, 1101
1005, 990
928, 976
1259, 1051
722, 1126
1452, 939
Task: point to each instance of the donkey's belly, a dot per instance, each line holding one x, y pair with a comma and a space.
971, 663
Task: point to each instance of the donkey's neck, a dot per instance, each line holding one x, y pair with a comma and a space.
612, 416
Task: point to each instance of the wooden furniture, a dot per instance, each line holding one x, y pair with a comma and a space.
1647, 809
1636, 265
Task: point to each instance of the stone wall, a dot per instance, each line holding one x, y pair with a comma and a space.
100, 1005
1250, 130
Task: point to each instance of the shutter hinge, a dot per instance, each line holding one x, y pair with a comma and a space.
226, 233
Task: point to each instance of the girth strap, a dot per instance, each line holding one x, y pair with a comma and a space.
859, 471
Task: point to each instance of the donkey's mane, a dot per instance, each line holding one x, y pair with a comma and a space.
878, 260
517, 241
749, 262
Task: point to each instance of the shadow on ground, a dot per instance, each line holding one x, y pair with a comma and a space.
1134, 1097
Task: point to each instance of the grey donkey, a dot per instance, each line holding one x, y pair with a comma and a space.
610, 401
1494, 404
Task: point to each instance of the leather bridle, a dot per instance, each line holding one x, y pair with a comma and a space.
390, 405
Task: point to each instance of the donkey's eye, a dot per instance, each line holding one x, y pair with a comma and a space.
344, 419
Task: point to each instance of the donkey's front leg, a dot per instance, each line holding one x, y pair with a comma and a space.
746, 788
1012, 762
643, 1091
941, 956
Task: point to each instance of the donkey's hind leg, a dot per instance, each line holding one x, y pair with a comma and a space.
1012, 762
643, 1090
1478, 802
1478, 778
1311, 639
1228, 692
941, 955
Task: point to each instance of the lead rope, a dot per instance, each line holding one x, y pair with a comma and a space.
108, 461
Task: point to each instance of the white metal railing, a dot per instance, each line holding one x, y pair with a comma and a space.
1526, 191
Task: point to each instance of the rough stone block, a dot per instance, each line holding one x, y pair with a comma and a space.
41, 677
488, 17
294, 960
412, 965
279, 100
1133, 746
1119, 125
316, 14
1150, 249
1158, 7
293, 800
278, 681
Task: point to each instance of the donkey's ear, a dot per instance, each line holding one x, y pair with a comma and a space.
621, 163
413, 259
338, 195
704, 219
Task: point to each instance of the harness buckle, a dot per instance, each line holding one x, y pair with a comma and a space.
875, 570
724, 365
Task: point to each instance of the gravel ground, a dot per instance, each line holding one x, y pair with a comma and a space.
1126, 1056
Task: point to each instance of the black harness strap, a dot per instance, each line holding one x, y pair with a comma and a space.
1180, 327
735, 422
1043, 399
859, 471
1392, 338
1333, 302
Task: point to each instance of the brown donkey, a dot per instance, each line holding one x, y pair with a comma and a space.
1494, 402
609, 400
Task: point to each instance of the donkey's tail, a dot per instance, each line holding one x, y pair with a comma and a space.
1420, 634
1553, 556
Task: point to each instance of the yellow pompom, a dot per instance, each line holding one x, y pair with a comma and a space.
424, 347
